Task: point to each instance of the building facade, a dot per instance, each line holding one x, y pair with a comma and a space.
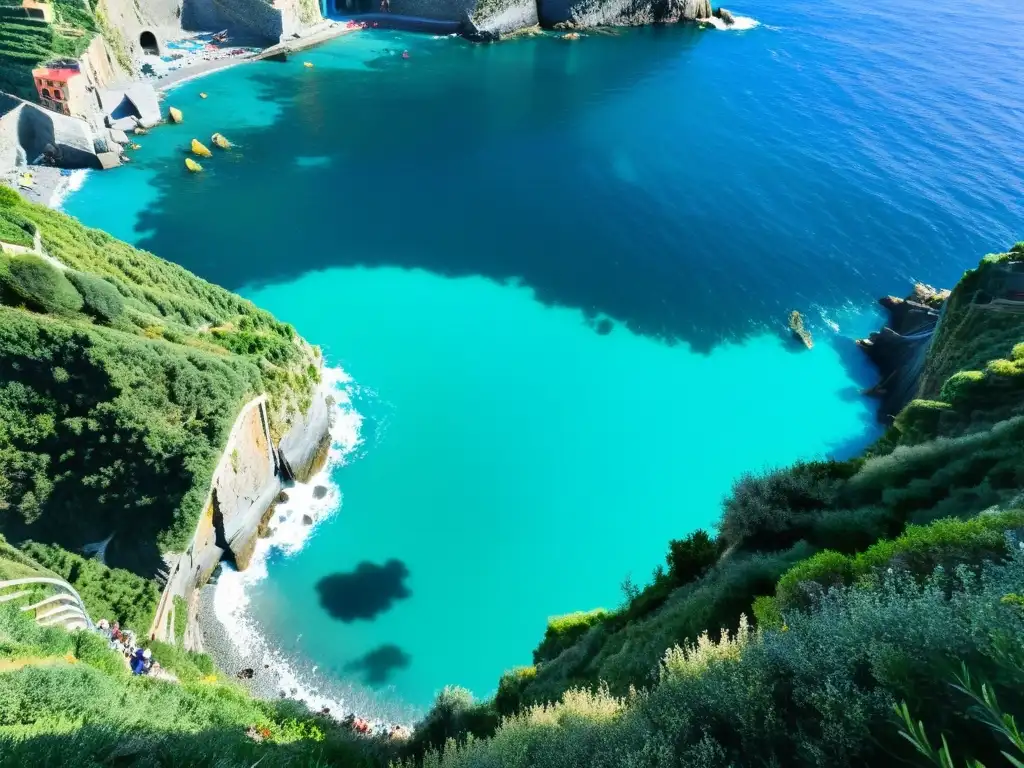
62, 90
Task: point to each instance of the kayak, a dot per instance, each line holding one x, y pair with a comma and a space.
192, 165
176, 116
198, 148
220, 141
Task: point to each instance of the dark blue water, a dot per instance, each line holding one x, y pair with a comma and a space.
558, 274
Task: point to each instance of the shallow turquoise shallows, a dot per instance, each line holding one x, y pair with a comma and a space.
558, 274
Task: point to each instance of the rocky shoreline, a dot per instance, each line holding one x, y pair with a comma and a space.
899, 349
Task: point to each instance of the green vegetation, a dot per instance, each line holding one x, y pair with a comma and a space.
180, 619
120, 378
15, 229
26, 43
67, 699
108, 593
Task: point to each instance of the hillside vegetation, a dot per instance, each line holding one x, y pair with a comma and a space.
67, 699
832, 592
120, 377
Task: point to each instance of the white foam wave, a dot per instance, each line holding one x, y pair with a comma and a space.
289, 535
739, 23
70, 184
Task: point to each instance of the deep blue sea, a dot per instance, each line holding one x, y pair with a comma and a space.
557, 275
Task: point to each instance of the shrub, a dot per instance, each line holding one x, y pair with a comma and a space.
772, 511
187, 666
454, 716
15, 228
689, 558
42, 286
101, 299
766, 613
961, 385
919, 551
563, 631
509, 698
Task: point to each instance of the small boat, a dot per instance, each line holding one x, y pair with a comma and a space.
133, 145
198, 148
308, 64
220, 141
202, 95
176, 116
192, 165
140, 131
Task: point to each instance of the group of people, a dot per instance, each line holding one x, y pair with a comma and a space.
140, 660
377, 728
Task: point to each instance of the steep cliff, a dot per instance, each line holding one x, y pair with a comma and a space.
594, 13
121, 378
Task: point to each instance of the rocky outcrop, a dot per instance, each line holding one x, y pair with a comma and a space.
595, 13
796, 326
303, 448
899, 349
67, 142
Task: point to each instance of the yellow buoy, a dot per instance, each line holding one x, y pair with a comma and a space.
198, 148
220, 141
176, 116
308, 64
202, 95
192, 165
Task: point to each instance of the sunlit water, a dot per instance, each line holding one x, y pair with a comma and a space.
558, 274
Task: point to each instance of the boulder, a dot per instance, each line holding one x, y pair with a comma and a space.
68, 142
246, 674
117, 136
307, 520
108, 160
725, 16
319, 492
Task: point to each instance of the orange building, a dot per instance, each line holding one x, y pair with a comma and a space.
62, 90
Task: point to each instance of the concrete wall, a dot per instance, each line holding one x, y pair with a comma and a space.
252, 20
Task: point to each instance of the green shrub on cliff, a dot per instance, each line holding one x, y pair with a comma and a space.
820, 691
563, 631
101, 298
116, 398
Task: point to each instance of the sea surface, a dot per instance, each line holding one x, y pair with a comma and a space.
551, 280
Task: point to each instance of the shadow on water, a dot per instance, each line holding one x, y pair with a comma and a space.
468, 160
377, 665
364, 593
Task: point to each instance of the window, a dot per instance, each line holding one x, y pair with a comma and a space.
46, 93
57, 94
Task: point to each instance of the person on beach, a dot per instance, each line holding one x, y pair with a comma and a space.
140, 661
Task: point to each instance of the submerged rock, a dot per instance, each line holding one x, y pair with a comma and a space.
796, 325
724, 15
319, 492
307, 520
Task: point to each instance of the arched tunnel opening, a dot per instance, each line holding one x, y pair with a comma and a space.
147, 40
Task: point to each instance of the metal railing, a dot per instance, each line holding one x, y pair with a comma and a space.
64, 609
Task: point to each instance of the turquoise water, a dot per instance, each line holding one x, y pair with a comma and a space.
558, 276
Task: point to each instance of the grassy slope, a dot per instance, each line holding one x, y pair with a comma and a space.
66, 699
118, 389
954, 455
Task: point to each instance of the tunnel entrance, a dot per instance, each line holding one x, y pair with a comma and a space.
147, 40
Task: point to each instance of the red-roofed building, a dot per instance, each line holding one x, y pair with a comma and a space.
61, 89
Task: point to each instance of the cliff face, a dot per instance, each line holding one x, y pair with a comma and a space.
593, 13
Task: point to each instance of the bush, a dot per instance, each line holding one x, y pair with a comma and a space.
187, 666
766, 613
15, 228
43, 287
563, 631
689, 558
961, 386
101, 299
819, 693
454, 716
509, 699
919, 551
772, 511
